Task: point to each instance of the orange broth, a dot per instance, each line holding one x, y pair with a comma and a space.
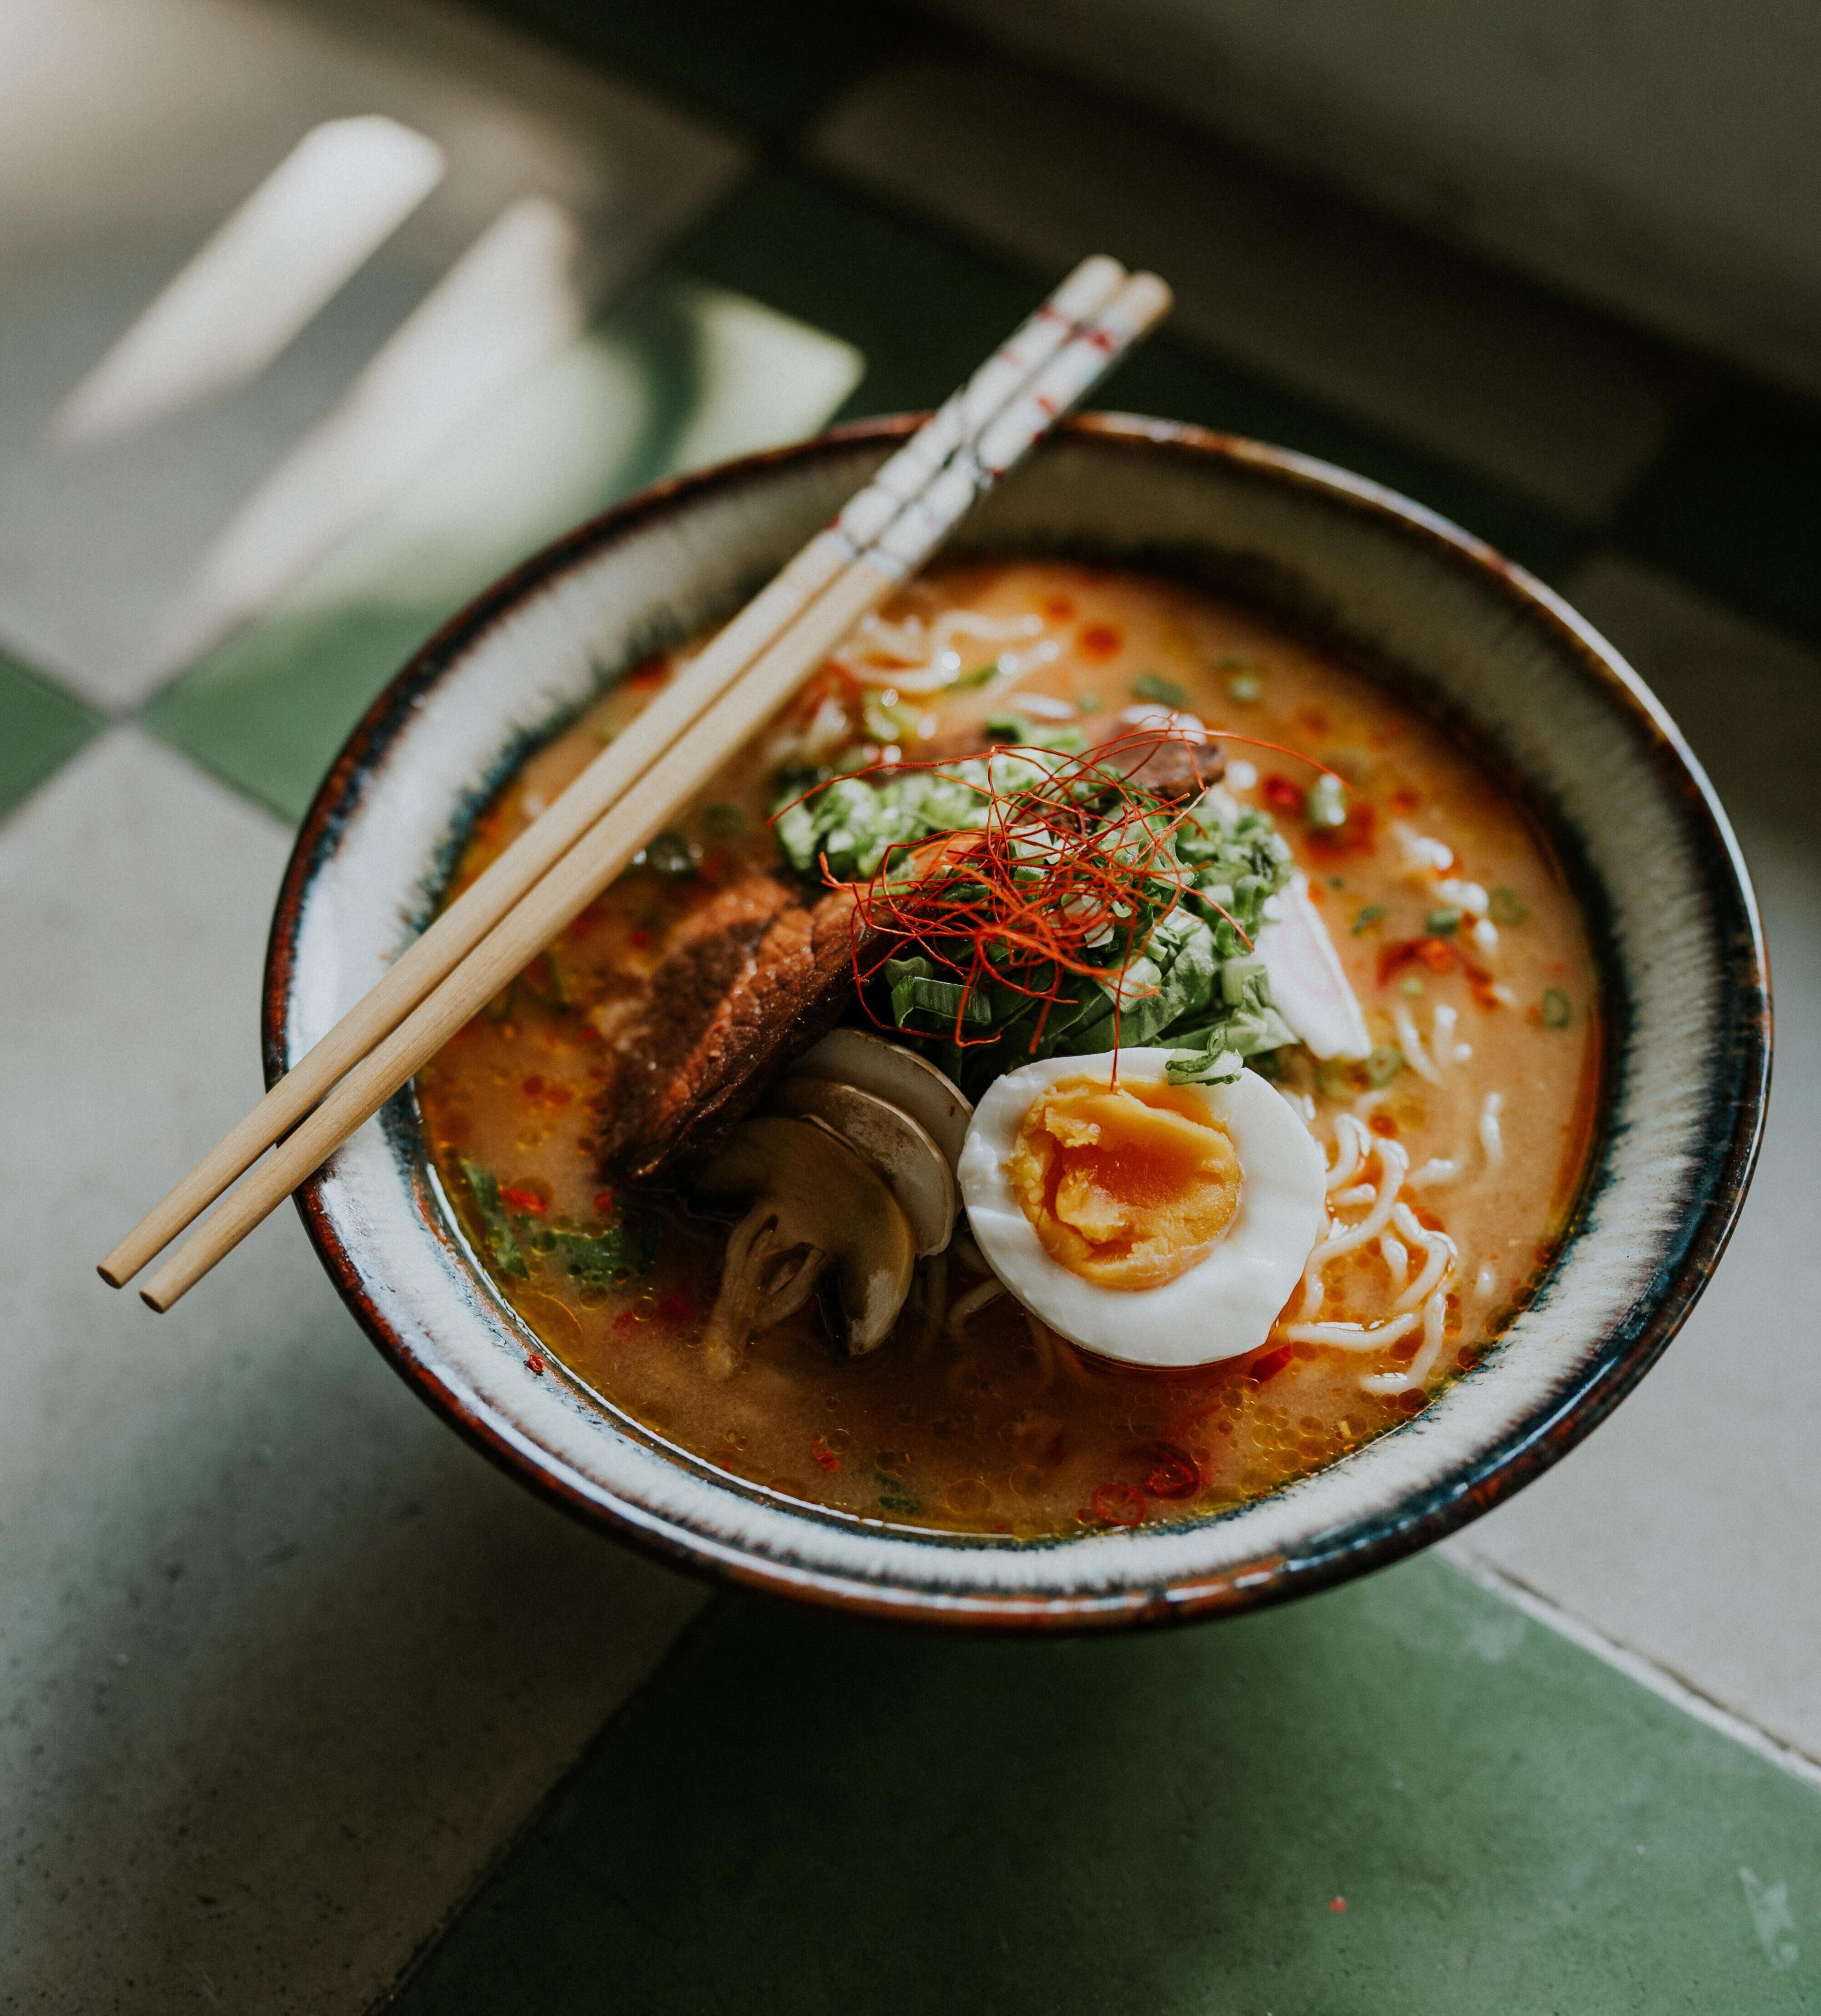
994, 1424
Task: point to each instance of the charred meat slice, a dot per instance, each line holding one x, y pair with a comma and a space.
754, 978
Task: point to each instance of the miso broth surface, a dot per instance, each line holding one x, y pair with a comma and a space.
1006, 1429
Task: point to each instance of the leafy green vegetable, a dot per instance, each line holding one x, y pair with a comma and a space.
606, 1259
887, 720
1439, 923
1181, 971
981, 675
1154, 686
1367, 917
1505, 908
502, 1243
918, 990
673, 854
1010, 728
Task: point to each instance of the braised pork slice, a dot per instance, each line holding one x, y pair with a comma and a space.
752, 979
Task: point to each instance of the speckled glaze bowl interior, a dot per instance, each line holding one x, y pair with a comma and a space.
1458, 630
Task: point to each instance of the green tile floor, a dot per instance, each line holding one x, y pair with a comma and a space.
1400, 1797
272, 1775
42, 727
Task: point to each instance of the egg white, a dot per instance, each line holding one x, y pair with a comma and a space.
1222, 1308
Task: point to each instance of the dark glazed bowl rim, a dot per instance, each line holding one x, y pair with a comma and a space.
1691, 1249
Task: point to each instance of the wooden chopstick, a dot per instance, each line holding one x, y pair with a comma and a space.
450, 936
684, 767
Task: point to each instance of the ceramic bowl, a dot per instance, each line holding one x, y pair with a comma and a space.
1440, 616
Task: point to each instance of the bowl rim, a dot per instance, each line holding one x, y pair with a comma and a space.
1523, 1450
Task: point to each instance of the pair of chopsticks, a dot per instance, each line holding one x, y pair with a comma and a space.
635, 786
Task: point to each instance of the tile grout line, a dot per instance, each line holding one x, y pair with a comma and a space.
717, 1601
1663, 1681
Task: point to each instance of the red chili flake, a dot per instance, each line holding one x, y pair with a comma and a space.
1382, 1125
1336, 1903
678, 1306
533, 1087
586, 1032
534, 1364
638, 937
526, 1200
1270, 1365
1437, 954
1117, 1505
1282, 796
1173, 1472
1056, 1449
603, 1202
1357, 833
1314, 720
825, 1456
579, 926
1098, 640
1059, 608
1404, 800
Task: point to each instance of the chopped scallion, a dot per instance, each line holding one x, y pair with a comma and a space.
1505, 908
1153, 686
1368, 916
1384, 1063
1558, 1011
1441, 923
1324, 803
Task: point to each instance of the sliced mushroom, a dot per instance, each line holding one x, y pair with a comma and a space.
915, 1169
890, 1072
817, 1209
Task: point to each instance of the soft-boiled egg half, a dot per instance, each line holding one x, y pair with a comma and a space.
1161, 1224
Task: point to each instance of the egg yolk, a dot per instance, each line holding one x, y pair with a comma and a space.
1127, 1186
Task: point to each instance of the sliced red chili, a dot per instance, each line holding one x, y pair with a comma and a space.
1282, 796
1172, 1472
524, 1200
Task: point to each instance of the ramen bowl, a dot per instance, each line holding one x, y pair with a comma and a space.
1547, 704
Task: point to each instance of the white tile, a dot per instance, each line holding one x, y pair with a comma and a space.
1685, 1527
130, 131
286, 1662
1316, 294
